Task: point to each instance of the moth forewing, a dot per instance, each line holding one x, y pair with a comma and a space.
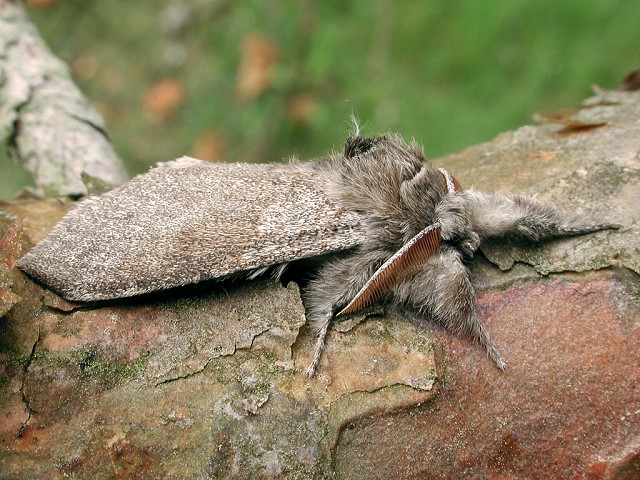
189, 221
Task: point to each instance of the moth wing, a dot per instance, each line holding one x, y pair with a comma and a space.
187, 221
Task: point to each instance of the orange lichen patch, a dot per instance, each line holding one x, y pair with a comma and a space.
544, 156
31, 438
113, 328
14, 413
36, 216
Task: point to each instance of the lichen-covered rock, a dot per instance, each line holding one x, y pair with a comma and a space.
207, 382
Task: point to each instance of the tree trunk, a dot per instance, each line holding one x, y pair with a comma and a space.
48, 125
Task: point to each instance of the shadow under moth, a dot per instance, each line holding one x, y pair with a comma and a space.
386, 224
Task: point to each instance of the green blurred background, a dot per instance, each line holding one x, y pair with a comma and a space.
260, 80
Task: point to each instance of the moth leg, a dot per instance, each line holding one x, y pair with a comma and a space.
336, 284
496, 215
539, 221
454, 215
442, 290
319, 347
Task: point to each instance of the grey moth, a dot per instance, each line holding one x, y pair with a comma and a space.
384, 224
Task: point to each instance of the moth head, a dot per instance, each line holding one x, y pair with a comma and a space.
386, 156
356, 146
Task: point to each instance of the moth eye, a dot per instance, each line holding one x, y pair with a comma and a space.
357, 146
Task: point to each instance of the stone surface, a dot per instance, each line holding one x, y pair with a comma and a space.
567, 405
207, 382
190, 383
592, 172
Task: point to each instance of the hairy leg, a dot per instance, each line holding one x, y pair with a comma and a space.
336, 284
491, 215
443, 291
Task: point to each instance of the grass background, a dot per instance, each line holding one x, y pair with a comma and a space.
168, 75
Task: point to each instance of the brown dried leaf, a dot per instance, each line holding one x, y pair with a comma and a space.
302, 107
259, 56
41, 3
631, 81
209, 146
164, 98
85, 66
564, 117
112, 79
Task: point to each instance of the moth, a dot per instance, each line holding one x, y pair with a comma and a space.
385, 225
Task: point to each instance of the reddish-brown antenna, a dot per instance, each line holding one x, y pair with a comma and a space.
404, 263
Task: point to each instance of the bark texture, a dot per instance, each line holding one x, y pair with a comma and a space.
209, 383
48, 125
